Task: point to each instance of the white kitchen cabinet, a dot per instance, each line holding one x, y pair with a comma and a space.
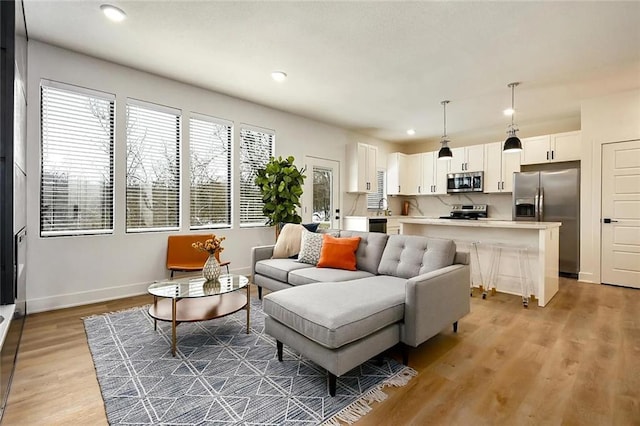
397, 174
499, 167
393, 226
413, 174
467, 159
566, 146
551, 148
362, 165
434, 174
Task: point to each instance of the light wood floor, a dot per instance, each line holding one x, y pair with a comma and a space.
575, 362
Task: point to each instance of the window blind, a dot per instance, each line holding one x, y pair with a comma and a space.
153, 167
373, 199
256, 148
76, 174
210, 172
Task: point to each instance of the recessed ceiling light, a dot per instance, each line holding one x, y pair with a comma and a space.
279, 75
113, 13
411, 132
508, 111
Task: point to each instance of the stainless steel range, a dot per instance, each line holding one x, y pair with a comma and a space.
467, 211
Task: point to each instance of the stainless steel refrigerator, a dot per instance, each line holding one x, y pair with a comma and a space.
552, 196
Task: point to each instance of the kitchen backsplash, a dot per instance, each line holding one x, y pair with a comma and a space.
433, 206
436, 206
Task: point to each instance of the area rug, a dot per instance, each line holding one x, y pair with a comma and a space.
221, 375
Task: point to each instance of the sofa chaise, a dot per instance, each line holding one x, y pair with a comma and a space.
405, 289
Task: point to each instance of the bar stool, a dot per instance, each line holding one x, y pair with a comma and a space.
476, 270
478, 267
522, 253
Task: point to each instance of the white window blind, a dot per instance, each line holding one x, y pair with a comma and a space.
76, 180
153, 167
373, 199
256, 148
210, 172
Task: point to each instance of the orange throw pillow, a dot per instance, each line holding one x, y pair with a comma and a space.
339, 253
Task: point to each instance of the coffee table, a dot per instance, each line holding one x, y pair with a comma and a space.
194, 299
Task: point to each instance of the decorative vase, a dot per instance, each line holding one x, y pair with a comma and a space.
211, 269
211, 287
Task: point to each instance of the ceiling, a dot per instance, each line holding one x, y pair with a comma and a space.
378, 68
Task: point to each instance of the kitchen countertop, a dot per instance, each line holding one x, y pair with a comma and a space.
481, 223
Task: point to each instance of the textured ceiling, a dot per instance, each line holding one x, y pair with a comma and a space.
378, 68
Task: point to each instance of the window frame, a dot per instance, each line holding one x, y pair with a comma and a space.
256, 129
45, 85
230, 172
163, 109
382, 190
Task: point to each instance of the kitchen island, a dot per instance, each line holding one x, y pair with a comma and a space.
540, 238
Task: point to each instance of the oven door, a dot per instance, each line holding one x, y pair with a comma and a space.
378, 224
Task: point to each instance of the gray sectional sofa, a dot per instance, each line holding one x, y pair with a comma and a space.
406, 289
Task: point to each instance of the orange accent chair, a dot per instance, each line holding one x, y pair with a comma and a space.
181, 256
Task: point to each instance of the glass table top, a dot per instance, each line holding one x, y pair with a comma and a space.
198, 287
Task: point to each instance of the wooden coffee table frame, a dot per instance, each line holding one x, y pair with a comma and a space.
192, 309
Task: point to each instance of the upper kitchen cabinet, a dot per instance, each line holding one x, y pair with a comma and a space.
467, 159
499, 167
434, 174
397, 174
362, 165
551, 148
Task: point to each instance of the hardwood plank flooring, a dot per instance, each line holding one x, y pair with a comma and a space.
574, 362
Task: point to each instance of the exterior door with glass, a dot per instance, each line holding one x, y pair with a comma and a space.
321, 196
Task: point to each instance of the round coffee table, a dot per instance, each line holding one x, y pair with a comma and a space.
194, 299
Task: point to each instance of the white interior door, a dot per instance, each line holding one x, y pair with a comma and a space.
621, 214
321, 196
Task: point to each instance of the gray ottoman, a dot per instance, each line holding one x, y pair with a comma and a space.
337, 325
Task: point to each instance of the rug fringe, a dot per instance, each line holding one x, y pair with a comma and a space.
357, 409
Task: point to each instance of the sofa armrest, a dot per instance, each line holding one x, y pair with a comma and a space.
435, 300
260, 253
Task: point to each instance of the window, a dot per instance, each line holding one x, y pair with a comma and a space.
210, 172
76, 180
153, 167
256, 147
373, 199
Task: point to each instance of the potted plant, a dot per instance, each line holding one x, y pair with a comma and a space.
280, 183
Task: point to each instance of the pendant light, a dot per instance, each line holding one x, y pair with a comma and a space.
445, 152
512, 144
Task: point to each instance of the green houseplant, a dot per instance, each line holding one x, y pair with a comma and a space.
280, 183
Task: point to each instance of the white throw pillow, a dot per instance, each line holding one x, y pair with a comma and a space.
288, 243
310, 246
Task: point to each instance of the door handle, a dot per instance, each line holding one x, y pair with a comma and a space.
608, 220
552, 154
547, 155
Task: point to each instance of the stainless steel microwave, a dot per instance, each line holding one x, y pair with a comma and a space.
465, 182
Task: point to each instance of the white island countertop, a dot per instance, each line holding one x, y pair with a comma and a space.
482, 223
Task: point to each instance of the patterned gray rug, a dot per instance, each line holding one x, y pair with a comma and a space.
221, 375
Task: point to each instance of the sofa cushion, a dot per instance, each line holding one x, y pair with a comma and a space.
339, 253
408, 256
279, 269
369, 250
316, 275
335, 314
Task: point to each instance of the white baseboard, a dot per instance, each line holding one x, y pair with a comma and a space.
587, 277
85, 298
70, 300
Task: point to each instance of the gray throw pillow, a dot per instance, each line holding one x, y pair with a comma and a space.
310, 247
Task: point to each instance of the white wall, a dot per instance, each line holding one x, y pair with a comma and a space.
612, 118
68, 271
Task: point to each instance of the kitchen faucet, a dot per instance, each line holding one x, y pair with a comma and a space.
381, 204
